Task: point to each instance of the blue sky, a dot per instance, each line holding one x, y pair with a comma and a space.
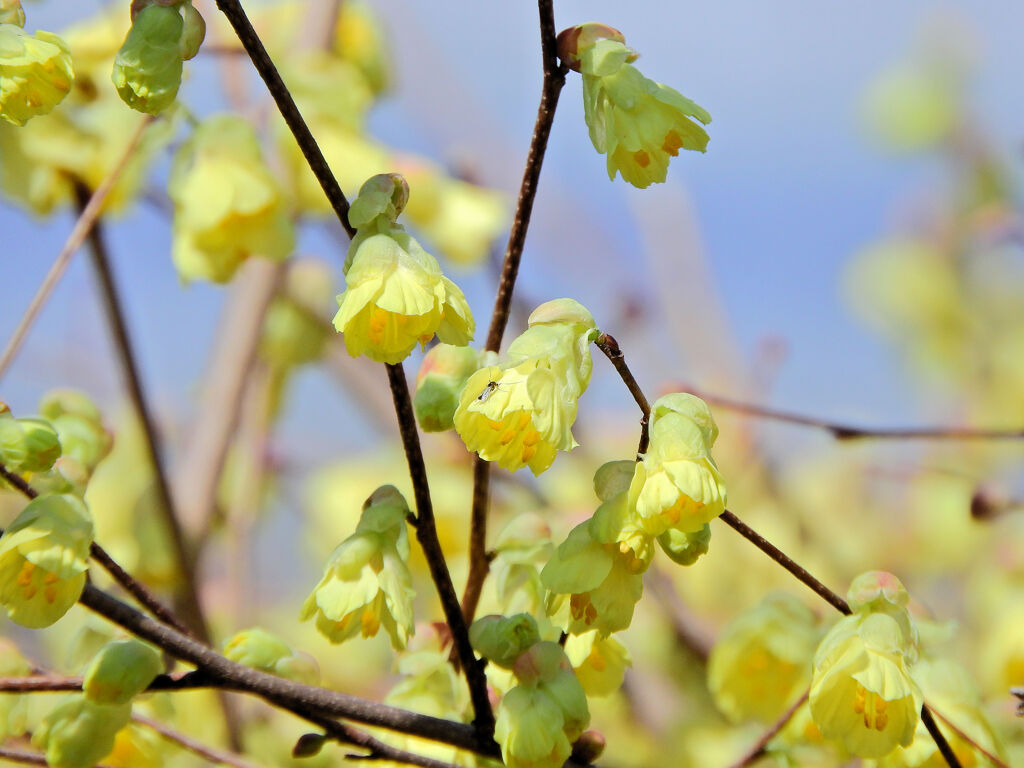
790, 187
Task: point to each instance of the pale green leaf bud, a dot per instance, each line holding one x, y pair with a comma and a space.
613, 477
80, 733
443, 375
120, 671
28, 445
502, 639
147, 69
11, 13
382, 195
685, 548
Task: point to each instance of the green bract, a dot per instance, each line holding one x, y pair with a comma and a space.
502, 639
44, 558
147, 70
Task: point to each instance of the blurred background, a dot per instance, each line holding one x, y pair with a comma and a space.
849, 247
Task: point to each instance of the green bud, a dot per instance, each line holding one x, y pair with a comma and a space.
541, 663
567, 311
120, 671
79, 426
440, 382
28, 445
613, 477
573, 40
12, 13
79, 733
193, 32
685, 548
263, 650
382, 195
503, 639
59, 402
147, 69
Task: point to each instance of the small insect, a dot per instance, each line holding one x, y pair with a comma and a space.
489, 389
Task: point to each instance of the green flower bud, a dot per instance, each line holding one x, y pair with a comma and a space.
382, 195
28, 445
120, 671
440, 382
79, 733
44, 558
503, 639
35, 73
193, 31
263, 650
685, 548
147, 69
79, 425
12, 13
575, 39
612, 478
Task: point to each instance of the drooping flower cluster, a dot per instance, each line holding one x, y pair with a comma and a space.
367, 584
395, 295
521, 413
862, 693
35, 70
638, 123
227, 204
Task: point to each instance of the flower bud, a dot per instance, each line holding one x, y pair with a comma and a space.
588, 747
309, 745
685, 547
80, 427
28, 445
572, 40
79, 733
147, 69
502, 639
263, 650
441, 379
35, 73
382, 195
120, 671
193, 31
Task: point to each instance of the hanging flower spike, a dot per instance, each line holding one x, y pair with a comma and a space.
638, 123
677, 484
522, 414
44, 558
35, 70
396, 296
367, 584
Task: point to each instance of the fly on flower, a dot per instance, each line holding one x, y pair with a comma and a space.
491, 387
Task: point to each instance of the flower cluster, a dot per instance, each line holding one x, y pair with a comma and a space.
521, 413
638, 123
395, 294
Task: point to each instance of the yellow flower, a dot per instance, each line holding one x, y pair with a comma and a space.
638, 123
599, 662
861, 691
677, 484
44, 557
227, 205
35, 73
761, 661
522, 414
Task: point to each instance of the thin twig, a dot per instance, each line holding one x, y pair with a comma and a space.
232, 9
27, 758
964, 737
426, 533
554, 79
851, 432
188, 595
607, 344
780, 557
377, 749
211, 754
134, 587
88, 215
940, 740
757, 751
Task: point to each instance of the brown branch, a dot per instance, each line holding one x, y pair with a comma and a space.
377, 749
757, 751
295, 697
780, 557
27, 758
607, 344
963, 736
426, 533
940, 740
232, 9
188, 595
851, 432
554, 79
128, 582
86, 218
